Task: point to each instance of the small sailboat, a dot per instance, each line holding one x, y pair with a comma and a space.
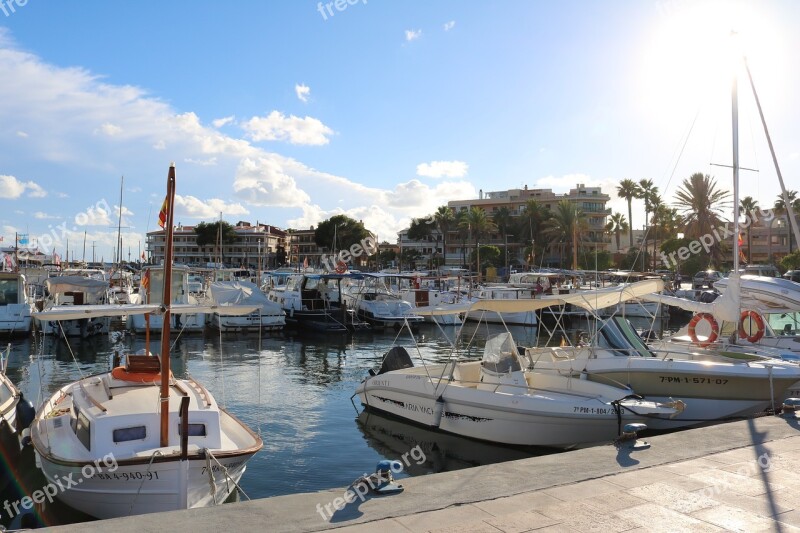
138, 439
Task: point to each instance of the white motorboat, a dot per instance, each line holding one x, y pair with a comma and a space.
77, 290
151, 285
15, 309
499, 292
268, 317
496, 400
376, 303
137, 439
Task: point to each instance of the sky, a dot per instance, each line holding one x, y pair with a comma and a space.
289, 112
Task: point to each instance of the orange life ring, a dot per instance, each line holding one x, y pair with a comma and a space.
754, 317
341, 267
714, 329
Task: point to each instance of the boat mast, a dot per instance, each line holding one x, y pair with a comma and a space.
165, 302
789, 209
735, 130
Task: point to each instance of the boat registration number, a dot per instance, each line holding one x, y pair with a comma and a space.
695, 380
594, 410
127, 476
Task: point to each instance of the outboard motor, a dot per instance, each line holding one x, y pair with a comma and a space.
396, 359
25, 413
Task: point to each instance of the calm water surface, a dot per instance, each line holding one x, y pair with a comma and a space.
295, 390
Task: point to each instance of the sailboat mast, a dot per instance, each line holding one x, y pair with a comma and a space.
735, 130
789, 208
119, 224
165, 302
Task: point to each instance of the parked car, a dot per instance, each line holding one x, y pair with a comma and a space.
792, 275
762, 270
705, 279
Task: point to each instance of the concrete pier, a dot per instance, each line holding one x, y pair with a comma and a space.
738, 476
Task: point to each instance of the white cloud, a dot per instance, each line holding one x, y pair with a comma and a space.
40, 215
110, 129
218, 123
193, 207
302, 91
211, 161
449, 25
278, 127
159, 145
12, 188
412, 35
264, 182
22, 134
94, 216
443, 169
35, 190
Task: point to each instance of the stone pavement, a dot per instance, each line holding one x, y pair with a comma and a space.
738, 476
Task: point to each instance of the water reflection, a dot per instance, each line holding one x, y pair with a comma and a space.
392, 438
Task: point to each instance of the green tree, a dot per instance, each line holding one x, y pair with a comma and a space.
565, 226
780, 209
702, 203
530, 225
748, 205
629, 190
490, 256
420, 229
616, 225
791, 261
445, 220
478, 225
208, 234
340, 232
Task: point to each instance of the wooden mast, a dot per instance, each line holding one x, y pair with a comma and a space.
165, 302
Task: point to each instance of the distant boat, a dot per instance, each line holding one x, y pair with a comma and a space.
151, 285
268, 317
15, 309
315, 302
77, 288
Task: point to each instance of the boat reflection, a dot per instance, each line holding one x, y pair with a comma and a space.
444, 452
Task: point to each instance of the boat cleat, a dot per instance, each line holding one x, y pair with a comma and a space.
791, 408
629, 440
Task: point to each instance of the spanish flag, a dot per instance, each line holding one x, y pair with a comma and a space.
162, 215
146, 279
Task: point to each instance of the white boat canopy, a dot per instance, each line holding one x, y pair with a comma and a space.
77, 312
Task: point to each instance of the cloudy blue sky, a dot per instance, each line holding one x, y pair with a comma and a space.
288, 112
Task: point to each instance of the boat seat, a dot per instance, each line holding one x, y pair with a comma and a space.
142, 364
467, 372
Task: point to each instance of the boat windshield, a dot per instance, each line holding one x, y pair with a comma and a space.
9, 291
618, 335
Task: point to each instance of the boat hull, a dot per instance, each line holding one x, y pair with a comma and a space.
185, 323
141, 487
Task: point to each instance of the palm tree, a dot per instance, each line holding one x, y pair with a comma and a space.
531, 224
780, 208
463, 233
479, 225
444, 219
649, 193
616, 225
504, 221
629, 190
702, 203
747, 205
565, 225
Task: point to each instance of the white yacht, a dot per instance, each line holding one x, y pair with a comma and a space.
150, 289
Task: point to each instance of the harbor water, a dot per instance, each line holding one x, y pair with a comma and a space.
293, 389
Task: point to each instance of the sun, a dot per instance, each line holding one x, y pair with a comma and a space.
695, 49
